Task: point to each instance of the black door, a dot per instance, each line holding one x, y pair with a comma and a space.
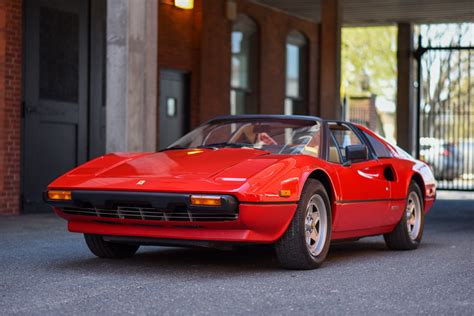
56, 93
173, 106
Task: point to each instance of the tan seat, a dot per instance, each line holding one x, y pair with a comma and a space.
334, 155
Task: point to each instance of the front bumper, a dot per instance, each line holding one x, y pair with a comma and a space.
243, 222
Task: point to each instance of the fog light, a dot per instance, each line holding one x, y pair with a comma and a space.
60, 195
206, 200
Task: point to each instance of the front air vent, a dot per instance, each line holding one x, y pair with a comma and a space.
179, 214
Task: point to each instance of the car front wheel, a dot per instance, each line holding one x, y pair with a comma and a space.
305, 244
104, 249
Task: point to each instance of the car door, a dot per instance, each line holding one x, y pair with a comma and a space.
364, 191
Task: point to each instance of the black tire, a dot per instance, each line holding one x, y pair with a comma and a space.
291, 249
399, 238
104, 249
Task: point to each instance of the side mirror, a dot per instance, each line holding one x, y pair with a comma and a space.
356, 153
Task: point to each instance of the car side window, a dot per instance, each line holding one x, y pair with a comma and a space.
344, 136
381, 151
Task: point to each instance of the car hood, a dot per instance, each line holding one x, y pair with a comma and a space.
189, 170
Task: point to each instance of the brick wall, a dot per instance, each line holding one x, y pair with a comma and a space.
179, 34
198, 41
274, 27
10, 105
215, 61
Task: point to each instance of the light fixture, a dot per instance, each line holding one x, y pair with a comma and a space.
285, 193
206, 200
60, 195
184, 4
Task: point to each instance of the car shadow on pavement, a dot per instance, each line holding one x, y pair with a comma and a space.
356, 249
204, 260
183, 259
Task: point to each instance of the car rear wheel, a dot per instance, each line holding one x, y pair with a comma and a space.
407, 234
305, 243
104, 249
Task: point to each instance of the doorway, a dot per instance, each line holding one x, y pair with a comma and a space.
174, 106
63, 99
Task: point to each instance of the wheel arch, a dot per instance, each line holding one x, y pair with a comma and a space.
328, 184
418, 179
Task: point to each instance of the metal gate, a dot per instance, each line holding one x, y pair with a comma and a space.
445, 110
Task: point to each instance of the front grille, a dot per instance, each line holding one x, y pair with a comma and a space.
149, 213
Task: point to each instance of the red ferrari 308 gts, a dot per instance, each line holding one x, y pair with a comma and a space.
298, 182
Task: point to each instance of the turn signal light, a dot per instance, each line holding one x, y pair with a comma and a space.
285, 193
206, 200
60, 195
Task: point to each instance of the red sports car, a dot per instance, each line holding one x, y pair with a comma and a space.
298, 182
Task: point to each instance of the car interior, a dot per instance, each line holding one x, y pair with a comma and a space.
340, 136
284, 140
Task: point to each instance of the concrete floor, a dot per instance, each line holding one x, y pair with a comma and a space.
45, 269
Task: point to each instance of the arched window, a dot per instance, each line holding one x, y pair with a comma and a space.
296, 101
244, 63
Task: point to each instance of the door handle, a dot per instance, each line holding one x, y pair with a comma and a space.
28, 109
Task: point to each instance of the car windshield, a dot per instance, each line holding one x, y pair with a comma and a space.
278, 136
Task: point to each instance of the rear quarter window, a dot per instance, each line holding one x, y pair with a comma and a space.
381, 151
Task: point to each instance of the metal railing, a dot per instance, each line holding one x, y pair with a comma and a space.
445, 110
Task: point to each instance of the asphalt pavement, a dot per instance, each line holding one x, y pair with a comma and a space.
46, 270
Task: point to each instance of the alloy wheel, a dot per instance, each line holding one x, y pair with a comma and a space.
316, 225
413, 215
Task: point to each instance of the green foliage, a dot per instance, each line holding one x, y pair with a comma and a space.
369, 61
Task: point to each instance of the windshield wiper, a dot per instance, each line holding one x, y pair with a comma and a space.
173, 148
224, 144
231, 145
214, 145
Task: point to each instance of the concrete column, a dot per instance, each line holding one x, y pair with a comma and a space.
330, 61
406, 111
132, 96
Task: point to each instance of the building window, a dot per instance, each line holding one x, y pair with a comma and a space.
296, 101
244, 63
